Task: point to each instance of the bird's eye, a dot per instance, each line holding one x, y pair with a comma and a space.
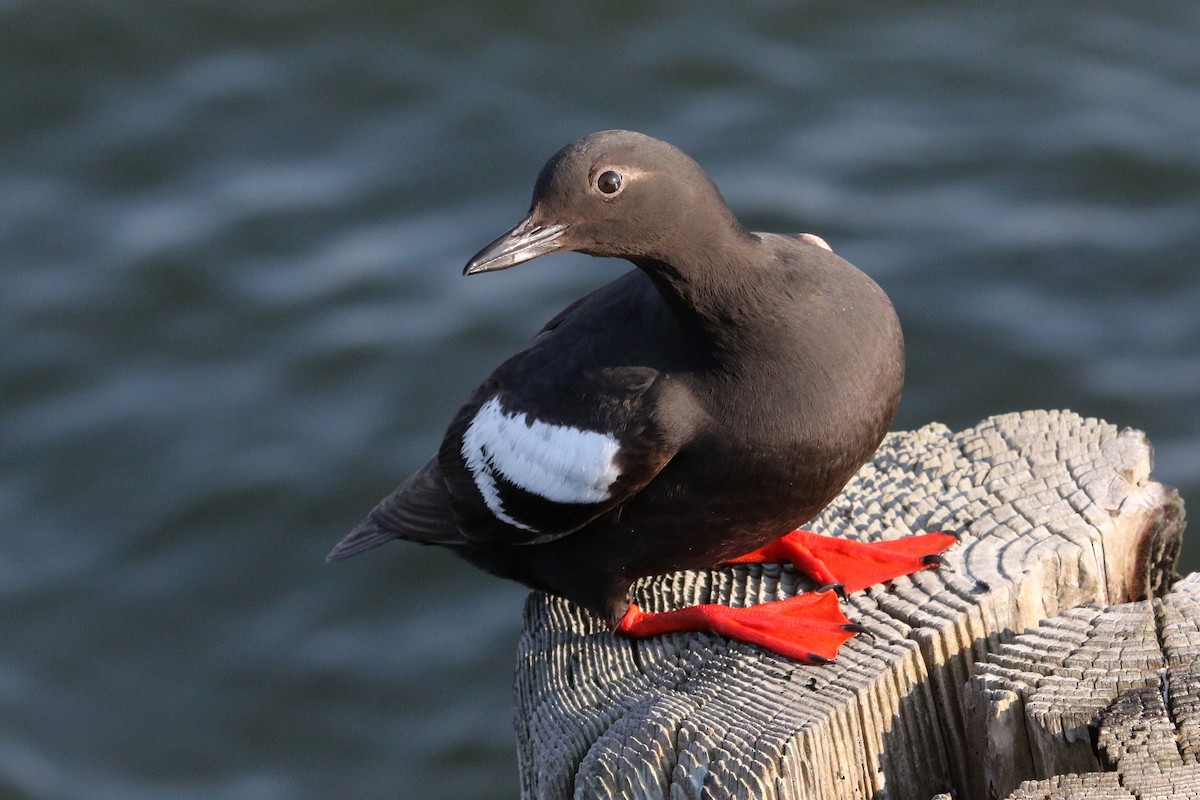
609, 182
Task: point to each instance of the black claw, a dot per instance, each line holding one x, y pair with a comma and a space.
955, 534
934, 559
834, 587
817, 661
854, 627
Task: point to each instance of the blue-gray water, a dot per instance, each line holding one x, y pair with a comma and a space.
231, 319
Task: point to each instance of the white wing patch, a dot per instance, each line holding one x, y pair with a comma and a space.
555, 462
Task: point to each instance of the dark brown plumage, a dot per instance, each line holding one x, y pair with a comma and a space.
741, 377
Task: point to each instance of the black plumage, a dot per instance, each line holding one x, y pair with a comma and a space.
736, 379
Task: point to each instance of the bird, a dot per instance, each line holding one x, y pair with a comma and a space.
690, 414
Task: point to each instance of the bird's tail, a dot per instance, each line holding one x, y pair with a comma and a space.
364, 537
419, 511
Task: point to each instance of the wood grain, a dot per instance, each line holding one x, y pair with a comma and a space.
1057, 512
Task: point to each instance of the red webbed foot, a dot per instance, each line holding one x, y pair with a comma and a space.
808, 627
852, 565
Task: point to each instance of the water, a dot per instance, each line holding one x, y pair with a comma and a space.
232, 319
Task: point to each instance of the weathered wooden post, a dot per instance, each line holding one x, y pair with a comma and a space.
1061, 523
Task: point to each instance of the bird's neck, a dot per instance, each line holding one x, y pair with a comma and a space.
722, 297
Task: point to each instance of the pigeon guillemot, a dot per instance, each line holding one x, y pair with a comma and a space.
683, 416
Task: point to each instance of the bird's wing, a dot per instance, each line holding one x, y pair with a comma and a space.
561, 433
506, 477
520, 472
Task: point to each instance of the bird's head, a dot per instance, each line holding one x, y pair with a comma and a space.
612, 193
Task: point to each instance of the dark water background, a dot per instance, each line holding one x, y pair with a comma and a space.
231, 319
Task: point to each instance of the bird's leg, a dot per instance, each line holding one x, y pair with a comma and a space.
848, 565
809, 627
